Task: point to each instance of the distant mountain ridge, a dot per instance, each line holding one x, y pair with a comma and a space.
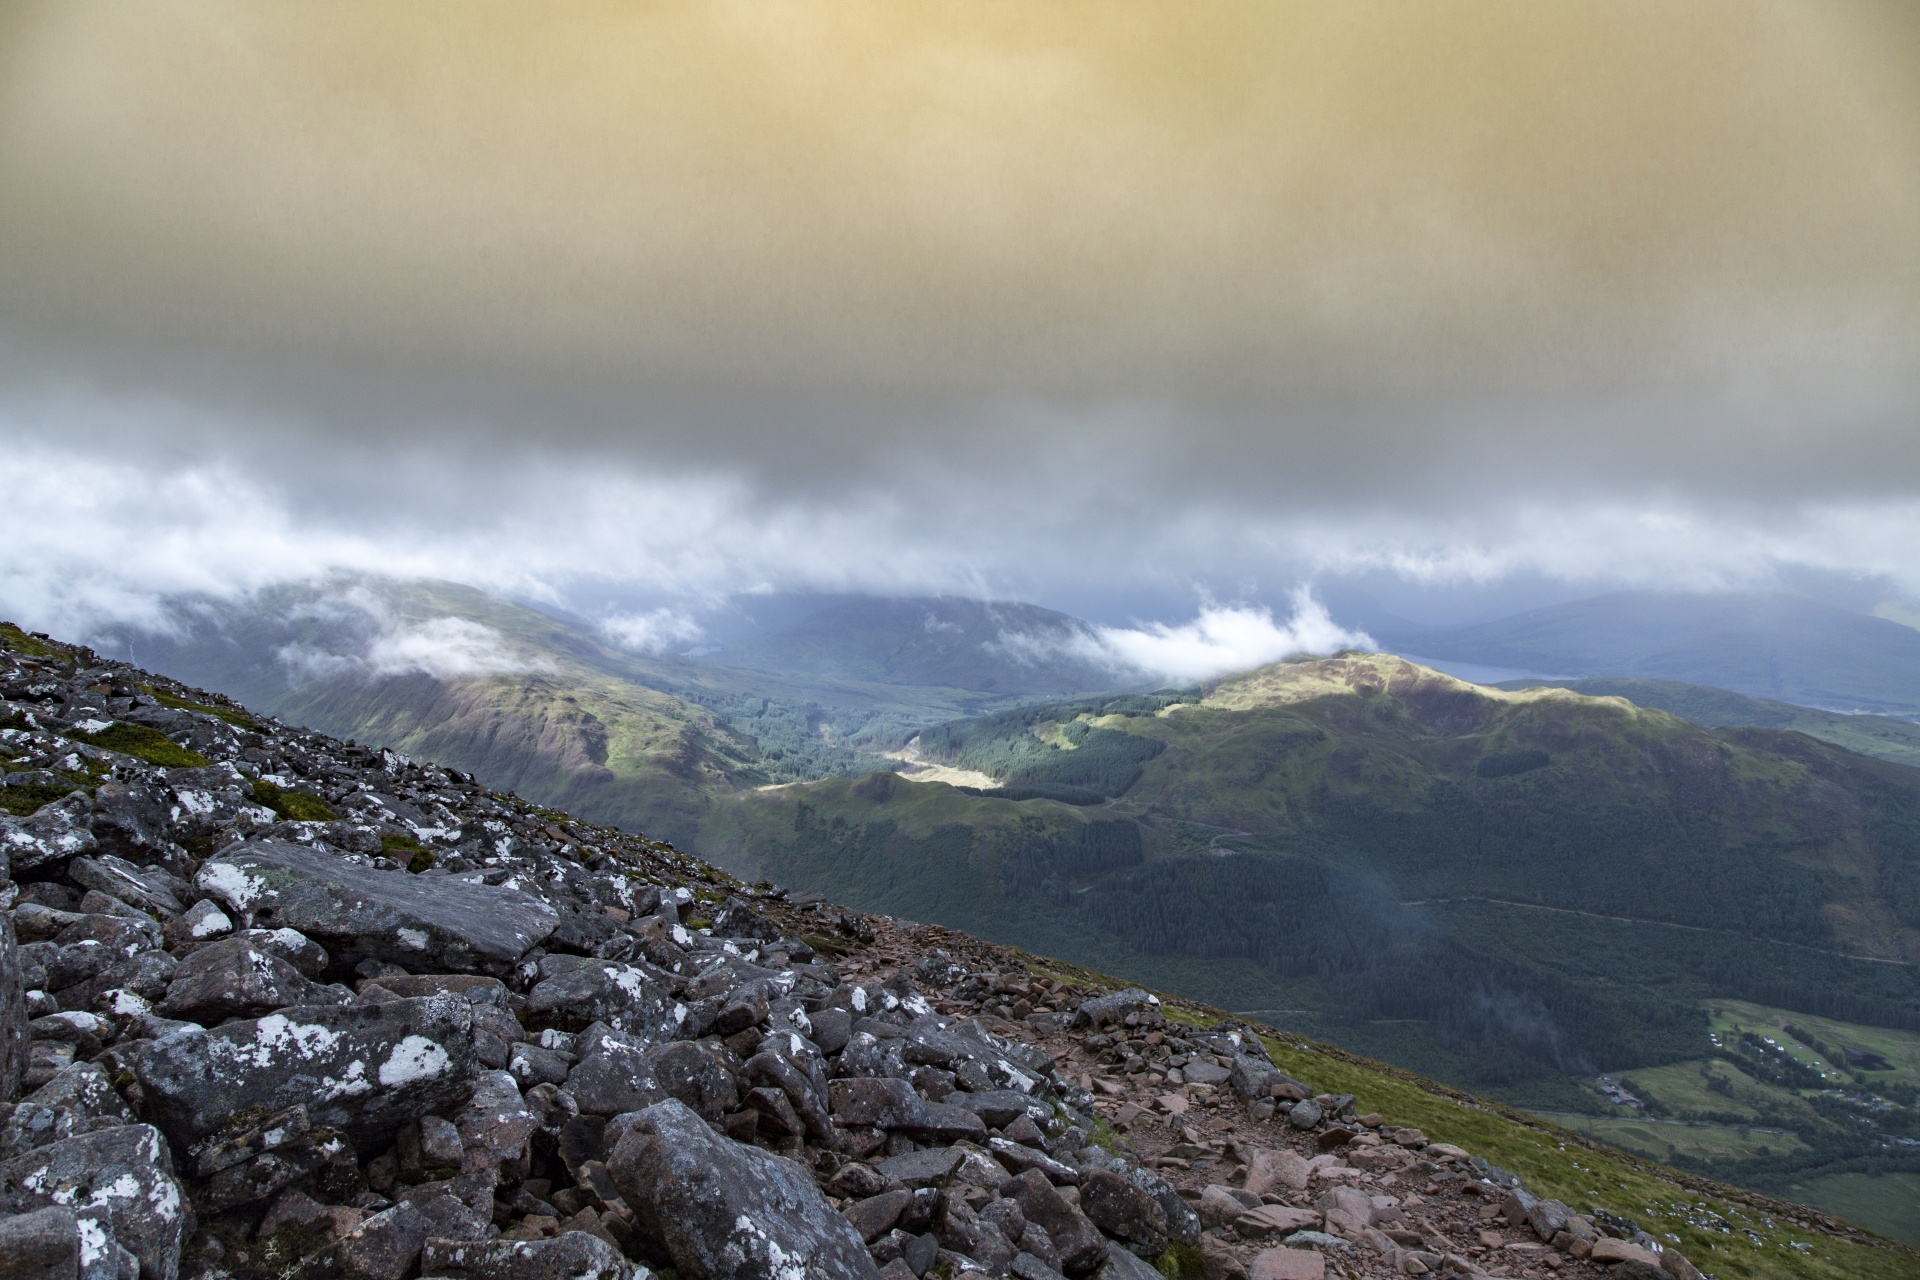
1883, 737
1776, 645
987, 646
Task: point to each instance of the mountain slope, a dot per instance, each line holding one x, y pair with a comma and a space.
1882, 737
1507, 889
650, 741
987, 646
634, 902
1766, 645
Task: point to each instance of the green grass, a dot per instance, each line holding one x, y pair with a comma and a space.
1681, 1087
1889, 1202
1901, 1049
21, 801
142, 743
232, 715
1660, 1140
292, 806
19, 641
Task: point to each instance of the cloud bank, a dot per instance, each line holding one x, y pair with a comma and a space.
628, 309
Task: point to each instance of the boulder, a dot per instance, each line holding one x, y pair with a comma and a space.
1104, 1010
1078, 1242
232, 978
42, 1245
356, 912
13, 1013
1124, 1211
387, 1245
1288, 1264
718, 1210
496, 1128
118, 1182
363, 1069
56, 832
79, 1100
576, 991
1276, 1171
572, 1255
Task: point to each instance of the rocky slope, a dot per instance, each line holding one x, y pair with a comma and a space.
272, 1004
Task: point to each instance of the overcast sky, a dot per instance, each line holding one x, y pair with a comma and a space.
1113, 307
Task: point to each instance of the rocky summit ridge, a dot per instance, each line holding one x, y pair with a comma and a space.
272, 1004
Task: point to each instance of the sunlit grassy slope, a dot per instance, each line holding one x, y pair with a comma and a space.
1885, 737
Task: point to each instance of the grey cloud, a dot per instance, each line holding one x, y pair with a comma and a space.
652, 305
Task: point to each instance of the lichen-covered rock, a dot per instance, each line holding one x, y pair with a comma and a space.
718, 1210
13, 1013
363, 1069
54, 833
78, 1100
387, 1245
119, 1185
234, 979
1078, 1242
576, 991
1125, 1212
573, 1255
435, 925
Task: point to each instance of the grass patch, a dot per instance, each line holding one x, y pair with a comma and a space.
1890, 1202
237, 718
20, 642
21, 801
292, 806
406, 849
1707, 1142
142, 743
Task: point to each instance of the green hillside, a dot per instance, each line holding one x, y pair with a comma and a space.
546, 706
1515, 891
1884, 737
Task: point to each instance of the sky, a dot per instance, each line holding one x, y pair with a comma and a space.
1151, 313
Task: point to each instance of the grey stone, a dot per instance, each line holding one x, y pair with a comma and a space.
430, 924
56, 832
1001, 1107
1304, 1115
121, 1180
496, 1128
363, 1069
387, 1245
720, 1210
13, 1013
874, 1216
1079, 1243
1104, 1010
232, 978
1122, 1265
572, 1255
926, 1167
1124, 1211
576, 991
118, 878
78, 1100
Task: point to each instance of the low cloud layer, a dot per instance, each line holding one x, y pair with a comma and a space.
1222, 638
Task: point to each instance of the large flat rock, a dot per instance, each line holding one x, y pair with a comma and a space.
364, 1069
425, 925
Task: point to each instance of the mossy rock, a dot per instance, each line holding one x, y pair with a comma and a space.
292, 806
142, 743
